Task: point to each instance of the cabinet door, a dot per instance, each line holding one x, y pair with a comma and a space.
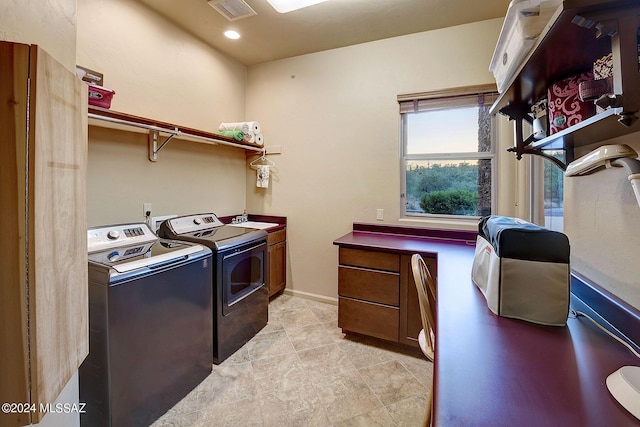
277, 267
43, 294
410, 319
57, 223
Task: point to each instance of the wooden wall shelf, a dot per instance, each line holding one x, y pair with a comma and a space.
116, 120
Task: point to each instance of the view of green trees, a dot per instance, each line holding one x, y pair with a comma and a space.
451, 202
450, 189
553, 185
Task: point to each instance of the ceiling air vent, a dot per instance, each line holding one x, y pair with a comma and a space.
232, 9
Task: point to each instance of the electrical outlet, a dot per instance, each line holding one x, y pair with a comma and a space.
146, 209
380, 214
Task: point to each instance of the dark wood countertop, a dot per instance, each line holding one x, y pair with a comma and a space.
404, 244
494, 371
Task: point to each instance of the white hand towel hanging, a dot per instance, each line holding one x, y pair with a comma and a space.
263, 172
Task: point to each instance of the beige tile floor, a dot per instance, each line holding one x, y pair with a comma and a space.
301, 370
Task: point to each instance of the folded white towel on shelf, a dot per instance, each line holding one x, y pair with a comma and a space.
262, 172
254, 127
252, 138
245, 127
251, 130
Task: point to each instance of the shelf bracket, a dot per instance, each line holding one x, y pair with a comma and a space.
521, 145
538, 152
516, 113
154, 149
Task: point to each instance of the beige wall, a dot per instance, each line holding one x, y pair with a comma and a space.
160, 72
335, 114
601, 220
189, 177
52, 26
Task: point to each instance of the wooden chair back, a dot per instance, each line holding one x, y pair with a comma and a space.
426, 288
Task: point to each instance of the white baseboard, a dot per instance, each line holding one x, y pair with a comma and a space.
311, 296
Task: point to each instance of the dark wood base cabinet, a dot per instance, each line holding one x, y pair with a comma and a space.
277, 254
377, 294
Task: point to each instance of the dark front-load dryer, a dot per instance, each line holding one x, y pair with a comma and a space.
241, 298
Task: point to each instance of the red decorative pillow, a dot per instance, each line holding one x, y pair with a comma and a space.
564, 105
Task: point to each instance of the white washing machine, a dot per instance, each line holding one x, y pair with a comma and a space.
150, 325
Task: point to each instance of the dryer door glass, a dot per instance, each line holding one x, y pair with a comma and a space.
243, 273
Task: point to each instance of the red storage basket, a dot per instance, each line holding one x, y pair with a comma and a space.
100, 96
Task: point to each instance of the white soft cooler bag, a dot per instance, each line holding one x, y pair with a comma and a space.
523, 270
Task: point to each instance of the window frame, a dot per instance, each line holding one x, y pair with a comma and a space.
538, 187
446, 99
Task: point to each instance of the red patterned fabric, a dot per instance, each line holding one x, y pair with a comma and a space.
564, 104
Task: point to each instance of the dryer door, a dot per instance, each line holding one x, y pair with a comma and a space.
243, 273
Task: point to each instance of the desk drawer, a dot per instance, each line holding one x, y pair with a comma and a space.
375, 320
369, 259
370, 285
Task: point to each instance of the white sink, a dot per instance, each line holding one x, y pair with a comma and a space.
255, 224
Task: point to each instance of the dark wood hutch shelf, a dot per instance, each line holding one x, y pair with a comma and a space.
578, 33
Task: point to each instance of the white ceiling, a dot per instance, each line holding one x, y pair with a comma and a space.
270, 35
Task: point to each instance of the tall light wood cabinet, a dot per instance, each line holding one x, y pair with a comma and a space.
43, 263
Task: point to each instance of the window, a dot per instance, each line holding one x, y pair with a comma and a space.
553, 191
447, 153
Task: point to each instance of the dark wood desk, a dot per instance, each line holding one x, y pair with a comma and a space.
494, 371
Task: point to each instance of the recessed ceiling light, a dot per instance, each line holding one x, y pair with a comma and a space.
233, 35
284, 6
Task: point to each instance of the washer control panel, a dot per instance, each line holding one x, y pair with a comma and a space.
191, 223
111, 236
